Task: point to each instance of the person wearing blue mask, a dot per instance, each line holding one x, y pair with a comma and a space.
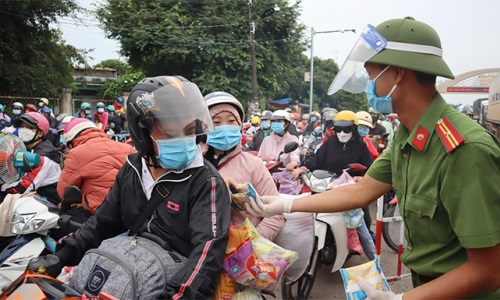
167, 117
237, 166
3, 115
17, 111
85, 112
101, 117
262, 132
274, 144
364, 126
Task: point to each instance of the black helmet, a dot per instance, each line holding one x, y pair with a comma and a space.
466, 109
169, 102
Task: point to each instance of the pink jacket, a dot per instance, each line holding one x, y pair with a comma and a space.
273, 144
244, 167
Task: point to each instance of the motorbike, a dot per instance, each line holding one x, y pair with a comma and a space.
32, 220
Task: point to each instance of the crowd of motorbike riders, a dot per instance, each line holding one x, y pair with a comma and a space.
77, 150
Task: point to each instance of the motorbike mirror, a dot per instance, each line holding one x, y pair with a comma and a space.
357, 167
290, 147
26, 164
384, 135
72, 195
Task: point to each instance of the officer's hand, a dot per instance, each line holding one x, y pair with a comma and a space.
273, 205
49, 264
296, 173
374, 294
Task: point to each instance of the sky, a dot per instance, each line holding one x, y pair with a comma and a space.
469, 30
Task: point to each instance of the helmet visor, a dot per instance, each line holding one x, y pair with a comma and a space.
176, 111
352, 76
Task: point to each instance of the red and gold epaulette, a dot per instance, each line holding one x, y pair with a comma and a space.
449, 135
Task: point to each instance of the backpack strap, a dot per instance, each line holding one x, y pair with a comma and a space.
160, 193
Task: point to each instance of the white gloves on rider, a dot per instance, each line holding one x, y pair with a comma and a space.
374, 294
273, 205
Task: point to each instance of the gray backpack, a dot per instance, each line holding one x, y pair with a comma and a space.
127, 267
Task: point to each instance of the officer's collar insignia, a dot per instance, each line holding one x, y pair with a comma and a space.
420, 138
449, 135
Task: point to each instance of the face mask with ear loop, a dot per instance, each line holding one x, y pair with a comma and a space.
382, 104
27, 135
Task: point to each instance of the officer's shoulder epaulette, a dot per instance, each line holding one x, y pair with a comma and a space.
449, 135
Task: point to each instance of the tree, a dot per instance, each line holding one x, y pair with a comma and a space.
121, 68
116, 88
34, 60
208, 42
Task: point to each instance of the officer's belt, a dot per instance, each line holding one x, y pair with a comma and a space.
422, 278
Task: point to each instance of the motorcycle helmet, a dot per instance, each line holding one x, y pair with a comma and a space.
364, 118
255, 120
100, 105
75, 127
84, 105
266, 115
31, 108
110, 108
328, 117
119, 100
280, 115
17, 105
33, 120
2, 107
223, 97
166, 102
345, 118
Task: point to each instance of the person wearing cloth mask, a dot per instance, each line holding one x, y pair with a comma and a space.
85, 112
167, 117
17, 111
314, 119
237, 166
274, 144
343, 148
364, 126
444, 167
114, 121
44, 103
32, 130
262, 132
302, 125
4, 116
101, 116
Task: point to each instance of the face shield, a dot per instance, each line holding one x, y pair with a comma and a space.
175, 111
352, 77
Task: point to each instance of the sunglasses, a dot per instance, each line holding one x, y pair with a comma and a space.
338, 129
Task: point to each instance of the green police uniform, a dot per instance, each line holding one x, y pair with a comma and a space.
446, 174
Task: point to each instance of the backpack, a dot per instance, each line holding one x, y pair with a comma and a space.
127, 267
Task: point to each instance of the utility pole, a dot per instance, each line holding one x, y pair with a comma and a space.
254, 102
313, 32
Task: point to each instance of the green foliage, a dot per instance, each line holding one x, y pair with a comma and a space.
34, 60
121, 68
114, 89
208, 42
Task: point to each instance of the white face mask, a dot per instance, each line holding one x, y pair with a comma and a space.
344, 137
26, 135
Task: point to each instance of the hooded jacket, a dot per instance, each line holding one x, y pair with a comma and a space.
194, 219
244, 167
335, 156
92, 165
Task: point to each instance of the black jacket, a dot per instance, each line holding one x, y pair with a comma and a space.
258, 137
197, 226
335, 156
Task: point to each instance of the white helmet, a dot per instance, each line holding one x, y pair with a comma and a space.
280, 115
223, 97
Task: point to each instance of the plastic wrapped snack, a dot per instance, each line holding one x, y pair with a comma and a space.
371, 272
236, 237
241, 195
226, 287
240, 264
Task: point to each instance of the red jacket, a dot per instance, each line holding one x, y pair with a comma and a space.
92, 166
371, 148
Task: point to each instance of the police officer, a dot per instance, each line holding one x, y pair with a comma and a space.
444, 167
